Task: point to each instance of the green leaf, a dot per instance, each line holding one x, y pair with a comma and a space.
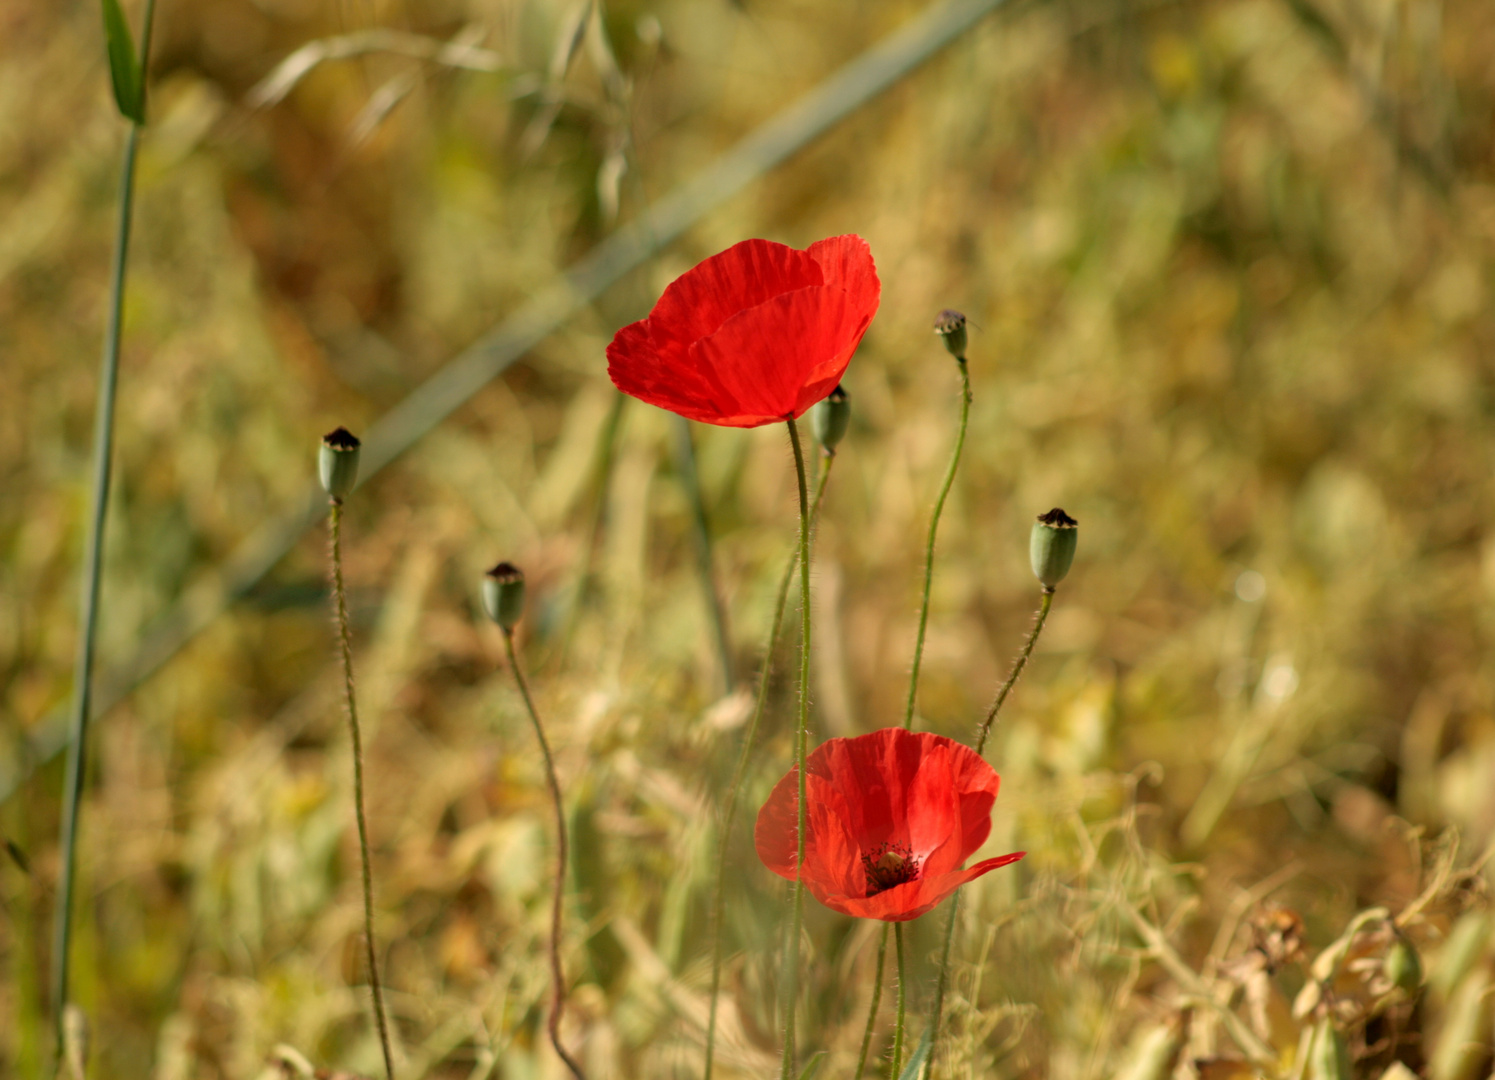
915, 1064
124, 65
813, 1065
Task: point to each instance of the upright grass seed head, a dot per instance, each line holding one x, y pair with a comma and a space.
337, 462
950, 325
1052, 547
503, 595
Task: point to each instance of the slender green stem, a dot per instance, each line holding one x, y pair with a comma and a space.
934, 525
557, 976
882, 955
936, 1014
729, 812
801, 740
1017, 669
350, 702
685, 457
103, 447
902, 988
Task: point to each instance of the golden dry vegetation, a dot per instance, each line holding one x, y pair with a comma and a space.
1228, 269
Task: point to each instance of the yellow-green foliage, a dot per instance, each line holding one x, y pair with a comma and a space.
1226, 267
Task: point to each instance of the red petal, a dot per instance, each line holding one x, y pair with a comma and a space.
699, 301
909, 901
636, 368
767, 357
846, 263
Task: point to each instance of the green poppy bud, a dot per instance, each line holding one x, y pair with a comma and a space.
1401, 967
503, 595
1052, 546
830, 419
951, 327
1329, 1059
337, 463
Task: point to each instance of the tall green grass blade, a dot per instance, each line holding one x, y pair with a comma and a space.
812, 1067
124, 65
915, 1064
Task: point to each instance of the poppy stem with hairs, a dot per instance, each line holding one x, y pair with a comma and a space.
902, 988
936, 1013
729, 811
939, 508
882, 956
350, 702
557, 976
801, 740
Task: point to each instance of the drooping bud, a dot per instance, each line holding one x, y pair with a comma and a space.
1052, 546
951, 327
503, 594
337, 462
830, 419
1401, 966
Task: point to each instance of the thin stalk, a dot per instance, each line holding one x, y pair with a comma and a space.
350, 702
934, 525
902, 988
729, 813
557, 976
685, 457
882, 955
103, 447
801, 739
936, 1014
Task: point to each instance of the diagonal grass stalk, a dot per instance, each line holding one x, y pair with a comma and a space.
103, 448
934, 525
729, 811
801, 739
936, 1013
350, 703
557, 974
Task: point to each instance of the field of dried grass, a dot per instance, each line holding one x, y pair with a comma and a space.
1228, 270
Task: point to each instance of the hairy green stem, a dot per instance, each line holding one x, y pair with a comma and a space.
350, 702
801, 739
902, 990
103, 447
934, 525
729, 811
936, 1014
557, 976
882, 955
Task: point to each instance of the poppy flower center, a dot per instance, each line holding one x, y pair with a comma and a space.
888, 865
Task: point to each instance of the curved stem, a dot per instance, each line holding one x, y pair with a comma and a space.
557, 976
350, 702
936, 1013
729, 812
1017, 669
934, 525
882, 955
93, 564
902, 988
801, 739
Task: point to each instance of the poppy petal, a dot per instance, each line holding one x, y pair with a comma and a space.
909, 901
637, 369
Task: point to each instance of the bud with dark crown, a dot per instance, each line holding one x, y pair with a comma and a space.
831, 418
337, 462
951, 327
1052, 547
503, 595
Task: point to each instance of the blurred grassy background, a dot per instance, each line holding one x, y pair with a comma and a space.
1228, 269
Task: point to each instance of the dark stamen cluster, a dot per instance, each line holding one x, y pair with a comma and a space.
888, 865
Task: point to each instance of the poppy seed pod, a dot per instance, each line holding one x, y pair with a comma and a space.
1052, 546
951, 327
503, 595
1401, 966
830, 419
337, 462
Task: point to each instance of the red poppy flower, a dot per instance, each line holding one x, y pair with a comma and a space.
756, 334
892, 816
